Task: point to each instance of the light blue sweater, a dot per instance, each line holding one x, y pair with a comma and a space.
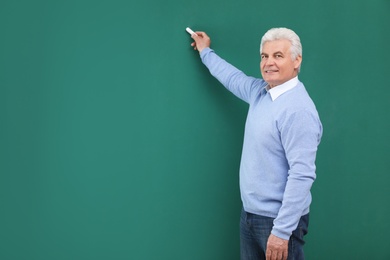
280, 144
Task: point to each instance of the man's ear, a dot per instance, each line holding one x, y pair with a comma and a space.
297, 62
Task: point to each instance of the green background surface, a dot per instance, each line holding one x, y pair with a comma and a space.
116, 143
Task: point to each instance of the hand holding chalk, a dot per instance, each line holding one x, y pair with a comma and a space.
191, 32
202, 40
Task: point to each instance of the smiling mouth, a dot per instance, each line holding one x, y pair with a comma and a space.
270, 71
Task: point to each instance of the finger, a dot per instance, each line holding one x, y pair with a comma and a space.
201, 34
279, 255
268, 254
285, 255
274, 255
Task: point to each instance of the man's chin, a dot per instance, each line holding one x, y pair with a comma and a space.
271, 82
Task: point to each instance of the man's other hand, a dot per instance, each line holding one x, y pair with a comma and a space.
277, 248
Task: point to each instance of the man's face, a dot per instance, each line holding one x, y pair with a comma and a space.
276, 65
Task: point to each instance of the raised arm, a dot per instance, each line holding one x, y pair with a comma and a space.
232, 78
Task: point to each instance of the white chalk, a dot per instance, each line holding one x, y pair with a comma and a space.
190, 31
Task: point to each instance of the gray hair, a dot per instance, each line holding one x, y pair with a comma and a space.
287, 34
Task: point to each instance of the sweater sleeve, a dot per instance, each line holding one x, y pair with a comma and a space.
232, 78
300, 135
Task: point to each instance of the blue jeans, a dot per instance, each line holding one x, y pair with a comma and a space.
254, 233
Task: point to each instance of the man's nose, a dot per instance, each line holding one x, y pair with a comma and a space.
269, 61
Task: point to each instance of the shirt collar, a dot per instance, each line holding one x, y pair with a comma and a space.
275, 92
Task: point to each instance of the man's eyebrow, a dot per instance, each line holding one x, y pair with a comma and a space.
278, 52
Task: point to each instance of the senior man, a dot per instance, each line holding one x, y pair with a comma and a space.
282, 133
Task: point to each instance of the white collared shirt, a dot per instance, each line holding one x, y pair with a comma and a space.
275, 92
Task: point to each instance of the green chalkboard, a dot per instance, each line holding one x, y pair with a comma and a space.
116, 143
